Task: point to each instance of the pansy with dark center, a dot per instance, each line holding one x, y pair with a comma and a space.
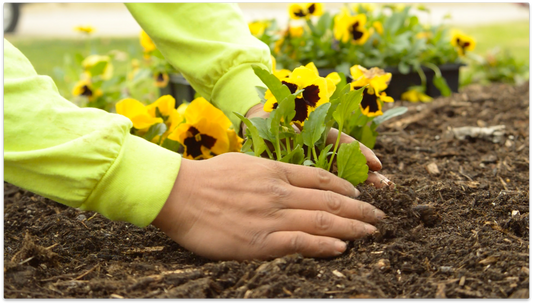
194, 142
304, 11
356, 33
85, 88
316, 91
462, 42
206, 131
376, 81
348, 28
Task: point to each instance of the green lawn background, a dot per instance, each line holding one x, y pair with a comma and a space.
48, 55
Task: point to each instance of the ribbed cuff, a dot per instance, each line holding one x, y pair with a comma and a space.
138, 183
235, 92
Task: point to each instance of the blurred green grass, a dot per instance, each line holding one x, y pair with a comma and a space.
513, 36
49, 55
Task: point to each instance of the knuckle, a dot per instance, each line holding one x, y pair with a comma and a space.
258, 239
277, 189
296, 243
333, 202
322, 220
323, 176
357, 229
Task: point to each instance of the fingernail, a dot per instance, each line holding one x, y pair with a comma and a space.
357, 192
379, 214
340, 246
370, 229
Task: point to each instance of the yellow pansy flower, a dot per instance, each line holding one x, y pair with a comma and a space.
165, 104
296, 31
376, 81
257, 28
161, 79
415, 96
305, 10
375, 77
84, 88
204, 133
462, 42
316, 91
378, 26
350, 28
86, 29
146, 42
137, 113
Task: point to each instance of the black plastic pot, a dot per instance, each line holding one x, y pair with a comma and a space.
400, 82
179, 88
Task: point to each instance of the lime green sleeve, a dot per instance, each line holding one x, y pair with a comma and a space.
81, 157
211, 45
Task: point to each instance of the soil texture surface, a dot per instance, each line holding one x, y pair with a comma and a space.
457, 225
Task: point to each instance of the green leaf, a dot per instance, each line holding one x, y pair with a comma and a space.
171, 145
285, 111
389, 114
368, 135
261, 93
98, 68
351, 163
322, 161
348, 103
403, 67
263, 127
279, 90
314, 126
295, 157
247, 146
442, 85
259, 145
309, 163
155, 130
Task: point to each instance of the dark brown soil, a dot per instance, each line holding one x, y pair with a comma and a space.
459, 233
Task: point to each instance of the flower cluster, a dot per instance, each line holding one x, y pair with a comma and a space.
385, 36
304, 107
198, 130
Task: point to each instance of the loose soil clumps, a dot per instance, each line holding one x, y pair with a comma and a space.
457, 226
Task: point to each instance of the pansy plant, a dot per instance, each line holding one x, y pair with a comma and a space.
303, 108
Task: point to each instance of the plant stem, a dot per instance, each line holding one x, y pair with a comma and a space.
434, 68
278, 149
422, 76
336, 145
314, 154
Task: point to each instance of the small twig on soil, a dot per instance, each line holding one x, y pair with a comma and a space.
53, 246
497, 227
87, 272
85, 225
63, 276
503, 183
95, 214
26, 260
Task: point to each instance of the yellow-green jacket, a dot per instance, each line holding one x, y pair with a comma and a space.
87, 158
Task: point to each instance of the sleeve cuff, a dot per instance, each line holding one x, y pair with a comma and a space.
138, 183
235, 92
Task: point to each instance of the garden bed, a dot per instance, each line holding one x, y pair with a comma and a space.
459, 233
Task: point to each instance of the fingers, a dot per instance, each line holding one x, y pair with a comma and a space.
288, 242
371, 158
332, 203
378, 180
317, 178
324, 224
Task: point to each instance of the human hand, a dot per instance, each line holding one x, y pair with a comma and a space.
240, 207
373, 162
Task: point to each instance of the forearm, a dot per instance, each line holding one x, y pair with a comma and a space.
210, 44
80, 157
